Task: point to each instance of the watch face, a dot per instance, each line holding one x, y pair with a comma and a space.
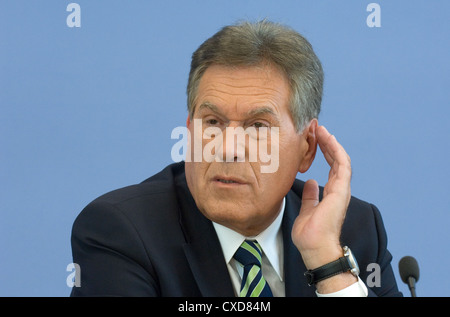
309, 278
351, 261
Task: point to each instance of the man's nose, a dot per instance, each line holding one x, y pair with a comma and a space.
233, 146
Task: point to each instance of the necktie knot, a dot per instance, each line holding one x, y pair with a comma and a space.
249, 253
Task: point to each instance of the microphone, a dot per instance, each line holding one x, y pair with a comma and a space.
409, 272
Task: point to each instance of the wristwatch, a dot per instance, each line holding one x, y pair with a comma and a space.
341, 265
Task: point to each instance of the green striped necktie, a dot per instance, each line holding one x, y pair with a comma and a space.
253, 283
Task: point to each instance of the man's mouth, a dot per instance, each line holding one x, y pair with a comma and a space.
229, 180
226, 181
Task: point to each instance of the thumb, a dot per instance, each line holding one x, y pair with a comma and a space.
310, 196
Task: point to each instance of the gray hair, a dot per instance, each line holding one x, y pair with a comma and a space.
252, 44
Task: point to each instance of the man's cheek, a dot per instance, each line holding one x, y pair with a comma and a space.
269, 151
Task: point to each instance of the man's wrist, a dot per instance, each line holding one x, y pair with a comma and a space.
336, 283
333, 270
317, 258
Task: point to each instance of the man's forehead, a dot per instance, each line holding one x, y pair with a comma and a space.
247, 87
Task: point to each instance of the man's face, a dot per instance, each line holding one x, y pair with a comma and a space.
233, 189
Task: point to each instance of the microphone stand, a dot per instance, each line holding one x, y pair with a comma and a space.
412, 286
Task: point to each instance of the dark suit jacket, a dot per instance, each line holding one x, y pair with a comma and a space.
151, 240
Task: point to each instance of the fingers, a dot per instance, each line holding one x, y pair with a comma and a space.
332, 150
340, 174
324, 138
310, 196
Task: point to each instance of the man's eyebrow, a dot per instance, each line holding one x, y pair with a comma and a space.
252, 113
262, 110
208, 105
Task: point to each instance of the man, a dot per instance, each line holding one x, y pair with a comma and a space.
190, 229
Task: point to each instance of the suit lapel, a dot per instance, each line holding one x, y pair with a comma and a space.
202, 249
294, 268
206, 261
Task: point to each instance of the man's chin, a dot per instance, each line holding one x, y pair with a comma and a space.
235, 218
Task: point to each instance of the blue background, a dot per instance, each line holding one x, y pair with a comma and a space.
91, 109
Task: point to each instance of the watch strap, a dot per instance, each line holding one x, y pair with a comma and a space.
328, 270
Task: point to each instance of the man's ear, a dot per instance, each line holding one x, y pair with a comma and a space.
309, 133
188, 121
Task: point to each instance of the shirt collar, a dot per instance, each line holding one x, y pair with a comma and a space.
270, 241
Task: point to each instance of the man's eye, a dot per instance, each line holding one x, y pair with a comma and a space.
259, 125
212, 122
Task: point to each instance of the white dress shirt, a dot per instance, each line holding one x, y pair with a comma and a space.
271, 242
